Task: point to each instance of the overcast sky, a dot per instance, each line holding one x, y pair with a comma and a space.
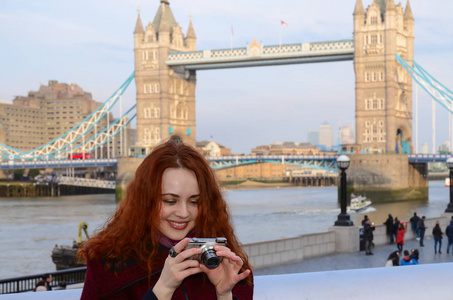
91, 43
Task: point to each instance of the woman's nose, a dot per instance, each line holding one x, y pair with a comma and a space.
182, 211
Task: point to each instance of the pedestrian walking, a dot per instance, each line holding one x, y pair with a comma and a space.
449, 233
422, 228
414, 224
396, 227
365, 218
400, 237
390, 228
437, 234
368, 229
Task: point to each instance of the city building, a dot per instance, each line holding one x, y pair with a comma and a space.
326, 135
213, 149
346, 135
44, 115
313, 137
286, 148
425, 148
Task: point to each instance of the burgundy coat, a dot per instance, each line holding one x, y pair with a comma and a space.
132, 283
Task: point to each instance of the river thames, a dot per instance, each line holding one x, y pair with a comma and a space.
30, 227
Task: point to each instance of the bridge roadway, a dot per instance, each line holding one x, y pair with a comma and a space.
323, 162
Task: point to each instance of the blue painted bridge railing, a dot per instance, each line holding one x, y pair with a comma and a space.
321, 162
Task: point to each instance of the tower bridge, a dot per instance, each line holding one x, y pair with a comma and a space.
166, 62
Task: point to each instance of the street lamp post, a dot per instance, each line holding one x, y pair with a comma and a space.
343, 217
450, 167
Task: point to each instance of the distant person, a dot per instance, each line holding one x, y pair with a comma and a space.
390, 228
365, 218
407, 260
437, 234
396, 227
368, 229
422, 228
400, 237
393, 260
48, 280
449, 234
414, 224
61, 285
40, 286
415, 254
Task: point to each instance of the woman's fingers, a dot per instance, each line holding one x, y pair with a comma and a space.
181, 245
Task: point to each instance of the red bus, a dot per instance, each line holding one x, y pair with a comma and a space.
79, 155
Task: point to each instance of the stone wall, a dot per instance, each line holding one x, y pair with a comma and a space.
284, 251
387, 177
277, 252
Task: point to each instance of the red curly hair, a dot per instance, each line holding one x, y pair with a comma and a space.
131, 231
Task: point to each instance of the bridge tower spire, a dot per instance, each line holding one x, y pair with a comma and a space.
383, 89
165, 95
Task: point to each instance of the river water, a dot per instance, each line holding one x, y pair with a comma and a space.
30, 227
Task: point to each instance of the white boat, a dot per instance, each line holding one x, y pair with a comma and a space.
359, 203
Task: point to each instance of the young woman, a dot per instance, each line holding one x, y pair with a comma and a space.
173, 196
400, 237
393, 260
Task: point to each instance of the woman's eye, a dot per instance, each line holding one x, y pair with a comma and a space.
194, 202
169, 202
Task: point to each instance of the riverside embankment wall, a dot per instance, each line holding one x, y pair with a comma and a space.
285, 251
387, 177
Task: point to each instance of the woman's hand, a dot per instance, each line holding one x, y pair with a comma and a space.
176, 269
225, 276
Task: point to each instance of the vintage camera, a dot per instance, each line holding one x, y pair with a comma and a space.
207, 256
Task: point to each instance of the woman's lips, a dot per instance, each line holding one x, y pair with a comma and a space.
178, 225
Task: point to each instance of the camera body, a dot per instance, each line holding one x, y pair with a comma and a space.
207, 256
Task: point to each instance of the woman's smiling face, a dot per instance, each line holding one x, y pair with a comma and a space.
180, 196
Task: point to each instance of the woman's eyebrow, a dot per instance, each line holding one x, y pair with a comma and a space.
195, 196
171, 194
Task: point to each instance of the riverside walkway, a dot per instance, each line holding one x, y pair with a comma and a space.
358, 260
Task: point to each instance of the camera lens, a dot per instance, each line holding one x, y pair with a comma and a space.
210, 259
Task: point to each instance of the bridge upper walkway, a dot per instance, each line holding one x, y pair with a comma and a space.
256, 54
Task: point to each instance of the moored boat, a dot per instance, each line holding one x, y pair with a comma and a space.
64, 256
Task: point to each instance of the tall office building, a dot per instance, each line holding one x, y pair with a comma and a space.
425, 148
346, 135
313, 137
326, 135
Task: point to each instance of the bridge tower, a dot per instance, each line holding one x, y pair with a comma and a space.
165, 96
383, 89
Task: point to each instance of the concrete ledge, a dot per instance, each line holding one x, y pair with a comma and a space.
428, 282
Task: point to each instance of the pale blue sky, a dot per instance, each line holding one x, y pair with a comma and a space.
91, 43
